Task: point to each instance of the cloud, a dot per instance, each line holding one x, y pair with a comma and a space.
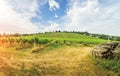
53, 5
56, 16
78, 16
97, 16
52, 27
42, 2
15, 16
92, 16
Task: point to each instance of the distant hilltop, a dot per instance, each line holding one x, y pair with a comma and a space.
102, 36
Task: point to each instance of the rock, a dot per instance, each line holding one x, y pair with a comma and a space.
107, 50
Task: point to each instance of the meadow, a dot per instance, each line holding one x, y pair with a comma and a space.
50, 54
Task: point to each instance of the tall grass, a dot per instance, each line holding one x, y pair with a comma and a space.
109, 64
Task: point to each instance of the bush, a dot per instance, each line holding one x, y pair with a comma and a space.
109, 64
44, 41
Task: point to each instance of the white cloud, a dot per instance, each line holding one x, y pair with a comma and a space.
15, 16
82, 15
53, 5
56, 16
52, 27
42, 2
78, 16
91, 16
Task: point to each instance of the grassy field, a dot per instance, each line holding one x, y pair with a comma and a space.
109, 64
66, 61
50, 54
71, 37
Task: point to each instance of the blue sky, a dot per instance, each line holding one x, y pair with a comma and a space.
31, 16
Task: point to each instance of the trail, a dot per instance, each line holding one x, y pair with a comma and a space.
69, 61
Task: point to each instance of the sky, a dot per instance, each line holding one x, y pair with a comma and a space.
33, 16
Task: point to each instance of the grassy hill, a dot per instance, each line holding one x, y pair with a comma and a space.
48, 40
49, 54
61, 36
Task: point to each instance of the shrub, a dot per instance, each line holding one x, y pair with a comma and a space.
109, 64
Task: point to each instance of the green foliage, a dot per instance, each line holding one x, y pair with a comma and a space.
53, 39
61, 36
44, 41
109, 64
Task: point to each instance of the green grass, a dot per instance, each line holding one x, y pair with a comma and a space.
49, 54
70, 37
60, 37
47, 41
109, 64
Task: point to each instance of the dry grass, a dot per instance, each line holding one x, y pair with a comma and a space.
68, 61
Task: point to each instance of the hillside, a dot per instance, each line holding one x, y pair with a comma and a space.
49, 54
61, 36
67, 61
